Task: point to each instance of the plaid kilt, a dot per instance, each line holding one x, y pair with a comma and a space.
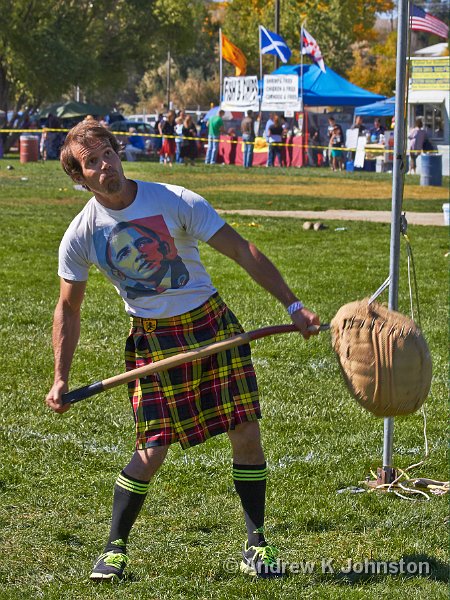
194, 401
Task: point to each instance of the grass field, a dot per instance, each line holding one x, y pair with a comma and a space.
57, 472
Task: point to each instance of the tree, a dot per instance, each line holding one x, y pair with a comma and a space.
194, 66
374, 66
38, 47
49, 46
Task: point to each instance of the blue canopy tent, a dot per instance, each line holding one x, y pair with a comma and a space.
329, 88
384, 108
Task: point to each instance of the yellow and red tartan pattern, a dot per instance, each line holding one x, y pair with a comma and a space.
194, 401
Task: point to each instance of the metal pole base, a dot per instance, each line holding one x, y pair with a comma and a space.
385, 476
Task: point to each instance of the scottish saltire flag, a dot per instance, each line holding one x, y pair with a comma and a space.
422, 21
272, 43
311, 47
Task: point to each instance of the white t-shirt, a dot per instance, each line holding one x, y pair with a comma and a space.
148, 250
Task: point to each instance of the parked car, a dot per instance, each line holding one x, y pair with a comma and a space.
121, 130
150, 119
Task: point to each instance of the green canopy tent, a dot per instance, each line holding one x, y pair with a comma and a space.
72, 110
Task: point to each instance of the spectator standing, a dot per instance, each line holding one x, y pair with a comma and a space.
51, 141
179, 138
275, 142
232, 141
167, 130
376, 131
266, 128
336, 143
248, 137
359, 125
313, 148
215, 128
157, 141
189, 143
330, 129
417, 137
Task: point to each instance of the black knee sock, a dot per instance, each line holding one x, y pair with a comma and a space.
250, 484
129, 496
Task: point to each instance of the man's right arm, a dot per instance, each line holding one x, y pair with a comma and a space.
66, 331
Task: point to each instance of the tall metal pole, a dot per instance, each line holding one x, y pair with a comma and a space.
397, 197
260, 86
220, 67
168, 79
301, 68
277, 30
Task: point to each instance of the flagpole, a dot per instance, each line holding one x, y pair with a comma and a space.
260, 79
277, 30
301, 96
220, 66
301, 67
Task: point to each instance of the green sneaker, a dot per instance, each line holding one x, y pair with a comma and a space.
262, 561
109, 567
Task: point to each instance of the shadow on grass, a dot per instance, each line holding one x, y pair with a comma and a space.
372, 571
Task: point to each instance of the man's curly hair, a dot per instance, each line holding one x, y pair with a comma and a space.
86, 134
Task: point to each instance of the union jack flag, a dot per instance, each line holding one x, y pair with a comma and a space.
311, 47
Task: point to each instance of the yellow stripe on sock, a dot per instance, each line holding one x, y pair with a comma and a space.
249, 471
132, 486
249, 475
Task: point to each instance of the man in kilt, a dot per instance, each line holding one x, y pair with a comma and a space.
143, 237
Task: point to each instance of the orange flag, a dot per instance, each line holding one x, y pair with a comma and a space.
233, 55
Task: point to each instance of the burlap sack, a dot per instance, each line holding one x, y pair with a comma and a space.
383, 356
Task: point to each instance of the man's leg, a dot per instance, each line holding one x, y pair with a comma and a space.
130, 491
280, 156
246, 154
249, 474
209, 151
259, 559
215, 151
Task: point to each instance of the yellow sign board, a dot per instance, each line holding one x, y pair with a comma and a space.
430, 74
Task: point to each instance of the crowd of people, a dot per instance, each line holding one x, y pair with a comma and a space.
178, 139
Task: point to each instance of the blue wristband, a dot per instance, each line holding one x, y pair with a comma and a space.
294, 307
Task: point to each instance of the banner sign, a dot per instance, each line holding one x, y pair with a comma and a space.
240, 94
430, 74
280, 93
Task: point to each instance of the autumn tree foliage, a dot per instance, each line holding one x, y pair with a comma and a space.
374, 65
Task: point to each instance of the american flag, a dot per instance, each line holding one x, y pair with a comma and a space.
311, 47
423, 21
